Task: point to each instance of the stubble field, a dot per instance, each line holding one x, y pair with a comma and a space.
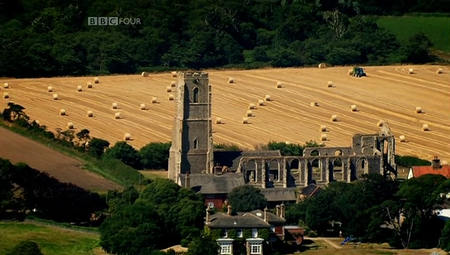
388, 93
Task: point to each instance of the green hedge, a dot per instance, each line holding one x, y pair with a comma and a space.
408, 161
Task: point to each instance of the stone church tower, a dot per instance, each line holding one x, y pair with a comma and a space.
192, 145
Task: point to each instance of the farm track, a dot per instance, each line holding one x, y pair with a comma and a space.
388, 93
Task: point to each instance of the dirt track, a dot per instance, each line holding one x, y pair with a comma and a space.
389, 93
17, 148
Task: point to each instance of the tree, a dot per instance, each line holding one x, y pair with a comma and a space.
26, 248
444, 241
204, 246
155, 156
125, 153
83, 136
246, 198
97, 147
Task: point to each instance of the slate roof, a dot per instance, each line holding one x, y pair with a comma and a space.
311, 190
231, 158
279, 194
214, 184
243, 220
421, 170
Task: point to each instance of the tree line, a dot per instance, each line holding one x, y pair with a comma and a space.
53, 38
379, 210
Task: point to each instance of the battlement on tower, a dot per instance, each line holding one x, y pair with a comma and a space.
194, 74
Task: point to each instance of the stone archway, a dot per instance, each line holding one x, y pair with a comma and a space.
250, 170
274, 170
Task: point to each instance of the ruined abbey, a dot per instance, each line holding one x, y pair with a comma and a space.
192, 151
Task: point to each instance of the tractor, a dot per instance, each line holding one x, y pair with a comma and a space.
358, 71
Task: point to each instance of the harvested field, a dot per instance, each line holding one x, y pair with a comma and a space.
17, 148
388, 93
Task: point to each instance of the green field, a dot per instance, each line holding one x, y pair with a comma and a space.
435, 28
52, 241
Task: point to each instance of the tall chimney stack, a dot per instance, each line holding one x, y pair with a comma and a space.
229, 210
282, 211
266, 214
436, 163
278, 210
187, 183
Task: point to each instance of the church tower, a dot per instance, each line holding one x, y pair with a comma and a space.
192, 145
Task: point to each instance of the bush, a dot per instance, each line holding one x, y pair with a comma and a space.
126, 153
409, 161
26, 248
155, 156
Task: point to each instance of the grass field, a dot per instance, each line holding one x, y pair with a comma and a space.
435, 28
52, 241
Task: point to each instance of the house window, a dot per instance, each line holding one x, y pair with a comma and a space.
210, 196
211, 204
240, 233
195, 143
225, 249
195, 95
225, 233
272, 228
254, 232
255, 248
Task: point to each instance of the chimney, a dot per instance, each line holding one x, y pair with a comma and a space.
229, 210
436, 163
187, 182
282, 211
266, 215
207, 216
278, 210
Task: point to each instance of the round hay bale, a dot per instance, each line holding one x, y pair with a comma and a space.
425, 127
251, 106
245, 120
117, 115
334, 118
260, 102
127, 137
96, 80
144, 74
6, 85
323, 137
143, 107
267, 98
218, 120
444, 162
169, 89
173, 84
62, 112
329, 84
114, 106
174, 74
287, 142
70, 125
49, 89
249, 113
37, 122
440, 71
171, 97
55, 96
418, 109
402, 138
314, 104
350, 72
79, 88
279, 85
410, 70
323, 128
353, 108
5, 95
322, 65
154, 100
380, 123
230, 80
89, 114
89, 85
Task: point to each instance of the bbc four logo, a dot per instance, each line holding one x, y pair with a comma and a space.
112, 21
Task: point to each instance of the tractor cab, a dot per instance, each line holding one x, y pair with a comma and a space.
358, 71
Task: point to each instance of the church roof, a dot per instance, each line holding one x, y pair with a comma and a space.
279, 194
213, 184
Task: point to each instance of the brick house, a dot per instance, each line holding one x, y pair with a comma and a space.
435, 168
250, 231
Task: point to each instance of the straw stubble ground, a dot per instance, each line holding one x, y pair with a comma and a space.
388, 93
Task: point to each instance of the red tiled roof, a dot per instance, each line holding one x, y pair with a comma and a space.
421, 170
